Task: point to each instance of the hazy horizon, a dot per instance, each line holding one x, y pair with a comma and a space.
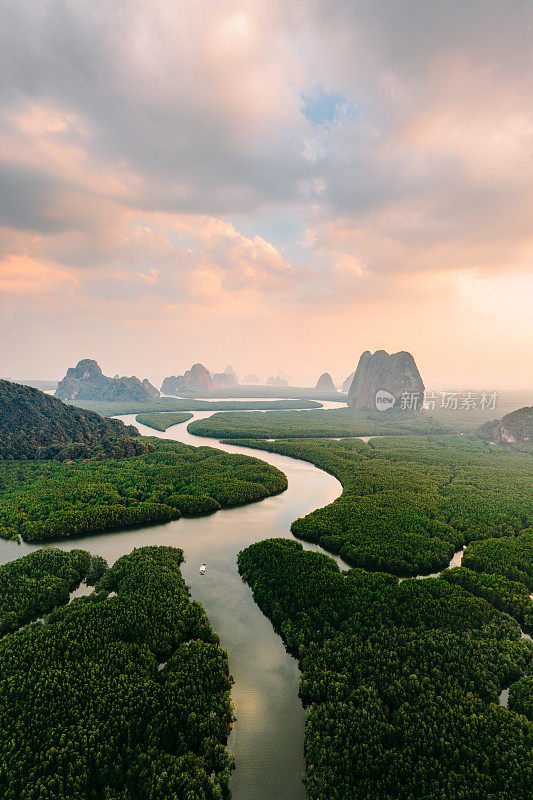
275, 186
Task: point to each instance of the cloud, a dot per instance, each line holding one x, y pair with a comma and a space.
20, 275
270, 159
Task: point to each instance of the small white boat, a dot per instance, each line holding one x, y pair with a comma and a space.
203, 569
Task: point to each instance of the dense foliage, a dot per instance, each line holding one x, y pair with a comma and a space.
44, 500
34, 425
312, 424
86, 713
37, 583
160, 421
521, 696
506, 595
173, 404
515, 427
401, 680
409, 502
511, 557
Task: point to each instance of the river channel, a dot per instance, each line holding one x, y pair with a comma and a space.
267, 739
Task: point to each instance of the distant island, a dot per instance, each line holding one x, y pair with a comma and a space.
277, 380
197, 378
325, 383
382, 382
348, 382
86, 381
232, 374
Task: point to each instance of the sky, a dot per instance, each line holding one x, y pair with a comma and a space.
279, 186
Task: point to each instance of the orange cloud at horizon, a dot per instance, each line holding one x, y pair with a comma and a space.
275, 188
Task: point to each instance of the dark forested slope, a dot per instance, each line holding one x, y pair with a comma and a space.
514, 428
35, 425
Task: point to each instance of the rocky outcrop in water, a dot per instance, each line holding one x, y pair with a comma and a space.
348, 382
384, 382
325, 383
196, 379
86, 381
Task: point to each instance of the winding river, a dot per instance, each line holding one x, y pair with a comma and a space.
267, 739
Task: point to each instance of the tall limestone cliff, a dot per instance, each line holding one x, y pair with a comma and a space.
382, 382
234, 381
223, 380
86, 381
196, 379
325, 383
348, 382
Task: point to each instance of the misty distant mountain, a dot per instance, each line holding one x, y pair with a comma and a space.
251, 378
86, 381
276, 381
325, 383
233, 375
221, 379
348, 382
197, 378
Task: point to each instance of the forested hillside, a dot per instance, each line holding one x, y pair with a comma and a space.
401, 680
44, 500
34, 425
88, 714
514, 429
409, 502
